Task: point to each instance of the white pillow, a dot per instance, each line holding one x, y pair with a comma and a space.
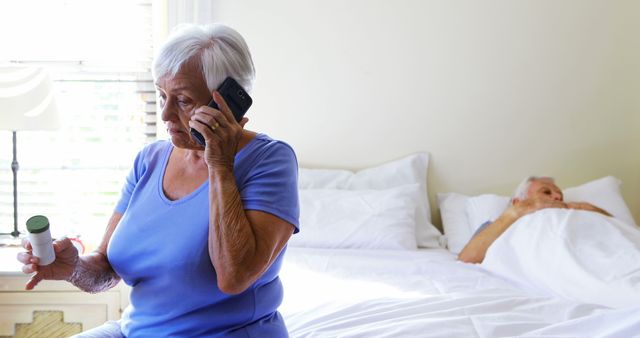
323, 178
483, 208
462, 214
454, 220
408, 170
603, 193
362, 219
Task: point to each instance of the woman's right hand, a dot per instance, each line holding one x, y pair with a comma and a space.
61, 269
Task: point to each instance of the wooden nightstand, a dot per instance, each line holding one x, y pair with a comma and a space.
17, 306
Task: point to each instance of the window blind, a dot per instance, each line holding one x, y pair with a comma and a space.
99, 55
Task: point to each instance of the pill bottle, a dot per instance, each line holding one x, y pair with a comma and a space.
40, 238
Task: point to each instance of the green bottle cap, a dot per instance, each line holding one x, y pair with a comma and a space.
37, 224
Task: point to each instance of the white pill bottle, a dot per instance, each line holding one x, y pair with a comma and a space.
40, 238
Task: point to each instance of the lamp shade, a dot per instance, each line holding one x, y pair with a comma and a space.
26, 99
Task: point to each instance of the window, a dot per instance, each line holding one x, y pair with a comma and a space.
98, 54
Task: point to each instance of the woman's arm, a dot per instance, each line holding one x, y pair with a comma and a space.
91, 272
242, 244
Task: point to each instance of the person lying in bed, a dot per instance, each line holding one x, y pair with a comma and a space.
533, 194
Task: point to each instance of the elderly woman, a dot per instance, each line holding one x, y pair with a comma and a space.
199, 232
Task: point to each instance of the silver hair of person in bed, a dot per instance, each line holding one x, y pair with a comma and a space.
523, 188
221, 51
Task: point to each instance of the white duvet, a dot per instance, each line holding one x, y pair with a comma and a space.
427, 293
580, 255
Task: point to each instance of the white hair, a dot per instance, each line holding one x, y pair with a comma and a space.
523, 188
219, 50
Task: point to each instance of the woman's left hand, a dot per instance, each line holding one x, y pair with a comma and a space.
221, 132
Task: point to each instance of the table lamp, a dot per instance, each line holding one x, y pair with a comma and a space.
26, 103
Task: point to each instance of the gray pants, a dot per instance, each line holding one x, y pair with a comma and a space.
110, 329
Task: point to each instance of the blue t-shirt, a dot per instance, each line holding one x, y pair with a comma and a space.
160, 248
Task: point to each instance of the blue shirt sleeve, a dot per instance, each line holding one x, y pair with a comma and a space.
139, 167
272, 184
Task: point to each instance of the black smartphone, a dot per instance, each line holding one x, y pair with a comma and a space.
236, 98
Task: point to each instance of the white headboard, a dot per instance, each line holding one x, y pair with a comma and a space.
493, 90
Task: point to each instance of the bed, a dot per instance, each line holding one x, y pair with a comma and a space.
367, 263
427, 293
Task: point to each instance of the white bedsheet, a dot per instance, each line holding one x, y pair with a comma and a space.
576, 254
425, 293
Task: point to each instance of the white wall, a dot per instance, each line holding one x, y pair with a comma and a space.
493, 90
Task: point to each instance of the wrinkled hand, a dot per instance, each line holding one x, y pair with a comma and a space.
531, 205
220, 130
60, 269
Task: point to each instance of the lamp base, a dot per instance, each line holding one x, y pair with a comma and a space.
14, 168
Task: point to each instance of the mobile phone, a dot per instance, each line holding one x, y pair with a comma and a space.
236, 98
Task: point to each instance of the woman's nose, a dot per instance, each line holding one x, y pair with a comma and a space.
165, 112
